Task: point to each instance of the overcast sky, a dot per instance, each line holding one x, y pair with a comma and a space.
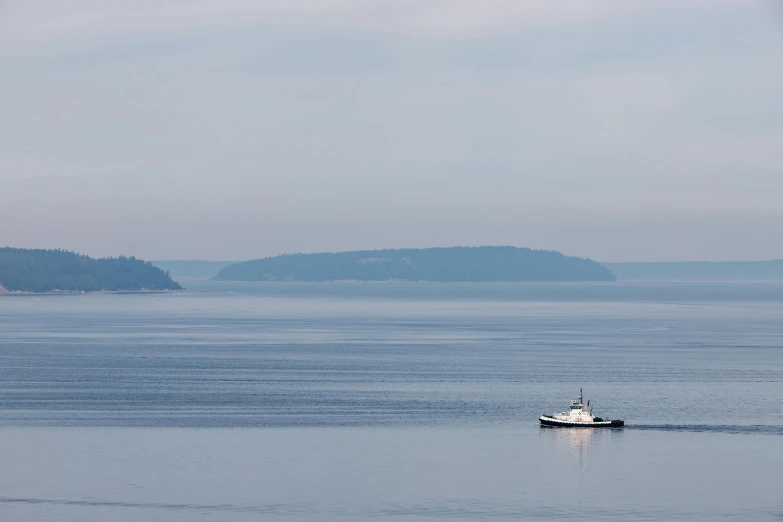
236, 129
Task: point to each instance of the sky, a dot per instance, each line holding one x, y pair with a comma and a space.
239, 129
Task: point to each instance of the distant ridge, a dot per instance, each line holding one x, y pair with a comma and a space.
37, 270
699, 271
194, 269
449, 264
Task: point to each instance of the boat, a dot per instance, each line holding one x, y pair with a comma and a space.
579, 415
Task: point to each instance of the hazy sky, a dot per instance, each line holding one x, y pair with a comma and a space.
235, 129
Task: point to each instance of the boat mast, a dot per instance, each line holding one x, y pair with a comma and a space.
580, 396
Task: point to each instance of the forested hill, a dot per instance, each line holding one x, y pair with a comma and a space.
51, 270
455, 264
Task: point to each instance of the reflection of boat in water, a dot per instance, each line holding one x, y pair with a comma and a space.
578, 446
578, 442
578, 416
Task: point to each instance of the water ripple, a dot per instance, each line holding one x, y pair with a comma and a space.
277, 509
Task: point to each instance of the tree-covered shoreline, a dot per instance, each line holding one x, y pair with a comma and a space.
449, 264
44, 271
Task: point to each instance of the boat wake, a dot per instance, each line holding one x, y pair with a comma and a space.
760, 429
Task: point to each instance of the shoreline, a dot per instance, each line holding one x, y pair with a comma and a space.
5, 292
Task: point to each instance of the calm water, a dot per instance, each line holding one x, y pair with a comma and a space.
401, 402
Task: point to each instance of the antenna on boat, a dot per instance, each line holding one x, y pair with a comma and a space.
580, 395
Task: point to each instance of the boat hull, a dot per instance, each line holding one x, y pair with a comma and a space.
554, 423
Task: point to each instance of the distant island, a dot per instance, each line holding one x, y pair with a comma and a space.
699, 271
37, 270
452, 264
192, 269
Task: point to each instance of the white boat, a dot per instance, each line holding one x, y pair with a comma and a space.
579, 415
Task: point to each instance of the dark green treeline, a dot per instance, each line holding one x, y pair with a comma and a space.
37, 270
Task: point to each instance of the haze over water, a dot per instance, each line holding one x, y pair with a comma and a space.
241, 401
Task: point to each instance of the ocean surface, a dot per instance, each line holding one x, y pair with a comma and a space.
295, 401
